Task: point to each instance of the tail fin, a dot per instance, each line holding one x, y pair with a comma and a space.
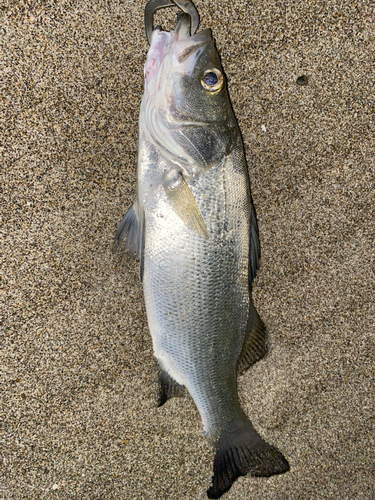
242, 451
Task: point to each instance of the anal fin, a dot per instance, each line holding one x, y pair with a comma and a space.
168, 388
254, 346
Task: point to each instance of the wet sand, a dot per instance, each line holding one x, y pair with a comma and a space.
78, 391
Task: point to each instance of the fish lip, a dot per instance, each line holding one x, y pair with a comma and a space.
172, 39
163, 38
158, 49
183, 49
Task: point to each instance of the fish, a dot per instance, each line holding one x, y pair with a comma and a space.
193, 227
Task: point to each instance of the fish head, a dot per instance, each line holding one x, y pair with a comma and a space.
186, 111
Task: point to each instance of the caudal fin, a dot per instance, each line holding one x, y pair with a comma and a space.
242, 451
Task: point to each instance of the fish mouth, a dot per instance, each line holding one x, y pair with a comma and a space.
185, 45
182, 43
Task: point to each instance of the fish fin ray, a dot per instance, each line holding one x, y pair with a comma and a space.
254, 346
184, 204
254, 246
240, 452
142, 251
168, 388
130, 230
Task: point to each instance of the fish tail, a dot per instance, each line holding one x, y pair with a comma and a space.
242, 451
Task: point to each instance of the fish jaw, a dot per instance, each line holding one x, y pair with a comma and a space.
158, 48
171, 51
178, 43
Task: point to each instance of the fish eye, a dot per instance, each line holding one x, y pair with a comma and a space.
212, 80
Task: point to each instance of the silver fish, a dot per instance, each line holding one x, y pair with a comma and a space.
193, 226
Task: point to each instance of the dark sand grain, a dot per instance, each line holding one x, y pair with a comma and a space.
78, 388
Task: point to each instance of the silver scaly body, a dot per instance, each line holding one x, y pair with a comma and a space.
197, 289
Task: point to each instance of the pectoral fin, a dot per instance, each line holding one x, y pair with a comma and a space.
131, 230
183, 202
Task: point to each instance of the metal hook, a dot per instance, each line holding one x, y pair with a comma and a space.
185, 5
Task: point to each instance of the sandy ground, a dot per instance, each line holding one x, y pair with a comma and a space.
78, 387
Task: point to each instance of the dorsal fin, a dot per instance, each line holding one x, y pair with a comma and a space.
254, 256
